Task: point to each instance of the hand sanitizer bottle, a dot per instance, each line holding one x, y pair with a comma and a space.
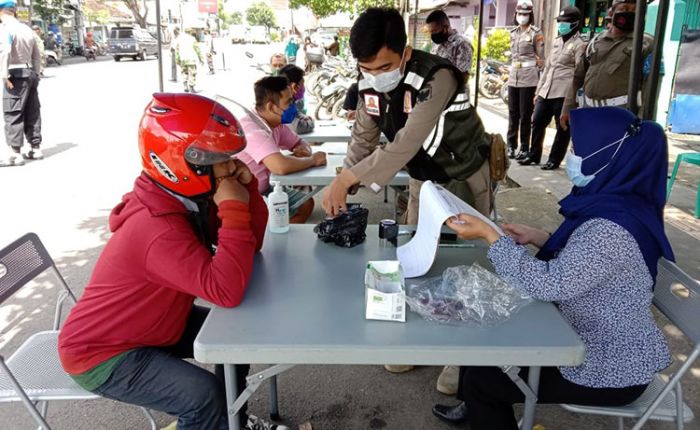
278, 207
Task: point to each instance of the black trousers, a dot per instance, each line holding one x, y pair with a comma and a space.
520, 106
545, 109
490, 394
22, 109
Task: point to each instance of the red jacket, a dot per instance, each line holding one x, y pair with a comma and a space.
152, 268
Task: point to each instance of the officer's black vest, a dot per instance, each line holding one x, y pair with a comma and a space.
457, 146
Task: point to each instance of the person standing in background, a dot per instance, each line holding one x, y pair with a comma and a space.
449, 44
173, 55
20, 66
40, 44
527, 54
188, 53
567, 53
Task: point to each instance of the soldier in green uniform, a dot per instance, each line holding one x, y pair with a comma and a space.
527, 54
602, 78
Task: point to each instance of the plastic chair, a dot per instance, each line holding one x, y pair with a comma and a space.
688, 157
677, 296
33, 374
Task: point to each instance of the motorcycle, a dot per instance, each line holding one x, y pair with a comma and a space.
90, 53
494, 77
53, 58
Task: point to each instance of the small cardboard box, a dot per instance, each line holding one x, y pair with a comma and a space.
385, 295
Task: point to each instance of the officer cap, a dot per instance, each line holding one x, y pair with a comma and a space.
5, 4
569, 14
524, 6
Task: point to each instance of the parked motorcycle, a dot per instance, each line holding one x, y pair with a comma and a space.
494, 76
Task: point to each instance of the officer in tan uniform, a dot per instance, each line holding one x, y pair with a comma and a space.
20, 65
527, 54
567, 51
418, 100
602, 79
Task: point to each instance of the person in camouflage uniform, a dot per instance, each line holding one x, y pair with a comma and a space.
187, 53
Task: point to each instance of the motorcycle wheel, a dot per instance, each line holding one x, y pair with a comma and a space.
488, 87
338, 111
324, 110
504, 94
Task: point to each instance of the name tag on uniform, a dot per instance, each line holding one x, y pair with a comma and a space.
372, 104
407, 105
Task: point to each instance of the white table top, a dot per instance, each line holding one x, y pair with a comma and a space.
305, 305
324, 175
331, 131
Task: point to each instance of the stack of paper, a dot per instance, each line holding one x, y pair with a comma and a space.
436, 206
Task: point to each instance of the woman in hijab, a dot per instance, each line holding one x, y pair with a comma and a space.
599, 268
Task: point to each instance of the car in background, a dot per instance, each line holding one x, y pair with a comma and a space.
238, 33
324, 36
131, 42
258, 34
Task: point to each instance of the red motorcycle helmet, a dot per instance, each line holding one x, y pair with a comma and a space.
181, 136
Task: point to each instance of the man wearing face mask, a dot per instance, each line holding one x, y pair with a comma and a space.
418, 101
294, 115
448, 44
568, 51
267, 135
602, 79
527, 54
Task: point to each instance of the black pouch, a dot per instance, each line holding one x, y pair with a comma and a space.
347, 229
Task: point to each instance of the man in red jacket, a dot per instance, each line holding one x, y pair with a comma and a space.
189, 229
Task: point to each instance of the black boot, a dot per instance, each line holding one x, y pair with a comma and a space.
511, 153
528, 160
550, 166
521, 155
451, 414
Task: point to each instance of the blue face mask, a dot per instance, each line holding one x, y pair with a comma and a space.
289, 114
574, 163
566, 28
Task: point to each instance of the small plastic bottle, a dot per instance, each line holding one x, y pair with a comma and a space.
278, 206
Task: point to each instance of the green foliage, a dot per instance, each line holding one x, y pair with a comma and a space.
275, 37
100, 16
496, 45
228, 19
261, 14
50, 11
323, 8
236, 18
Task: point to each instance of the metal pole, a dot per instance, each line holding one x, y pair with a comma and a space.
160, 47
478, 54
649, 109
415, 24
636, 63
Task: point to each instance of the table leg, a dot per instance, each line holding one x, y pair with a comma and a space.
231, 396
533, 381
274, 406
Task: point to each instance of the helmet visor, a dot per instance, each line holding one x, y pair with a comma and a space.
219, 141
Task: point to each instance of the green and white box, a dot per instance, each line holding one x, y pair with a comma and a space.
385, 294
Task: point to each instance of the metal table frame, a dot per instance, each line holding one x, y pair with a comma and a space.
536, 336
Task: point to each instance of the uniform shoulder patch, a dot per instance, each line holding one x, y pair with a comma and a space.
425, 94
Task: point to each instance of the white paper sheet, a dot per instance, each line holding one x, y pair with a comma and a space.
436, 206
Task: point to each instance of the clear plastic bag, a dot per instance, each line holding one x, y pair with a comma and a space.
465, 294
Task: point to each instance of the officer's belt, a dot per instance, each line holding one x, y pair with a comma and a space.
19, 66
523, 64
585, 101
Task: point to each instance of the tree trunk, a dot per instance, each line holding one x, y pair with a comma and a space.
135, 8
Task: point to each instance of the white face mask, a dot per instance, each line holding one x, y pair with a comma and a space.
522, 19
575, 162
387, 81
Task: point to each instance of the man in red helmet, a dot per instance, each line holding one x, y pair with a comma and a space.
189, 229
